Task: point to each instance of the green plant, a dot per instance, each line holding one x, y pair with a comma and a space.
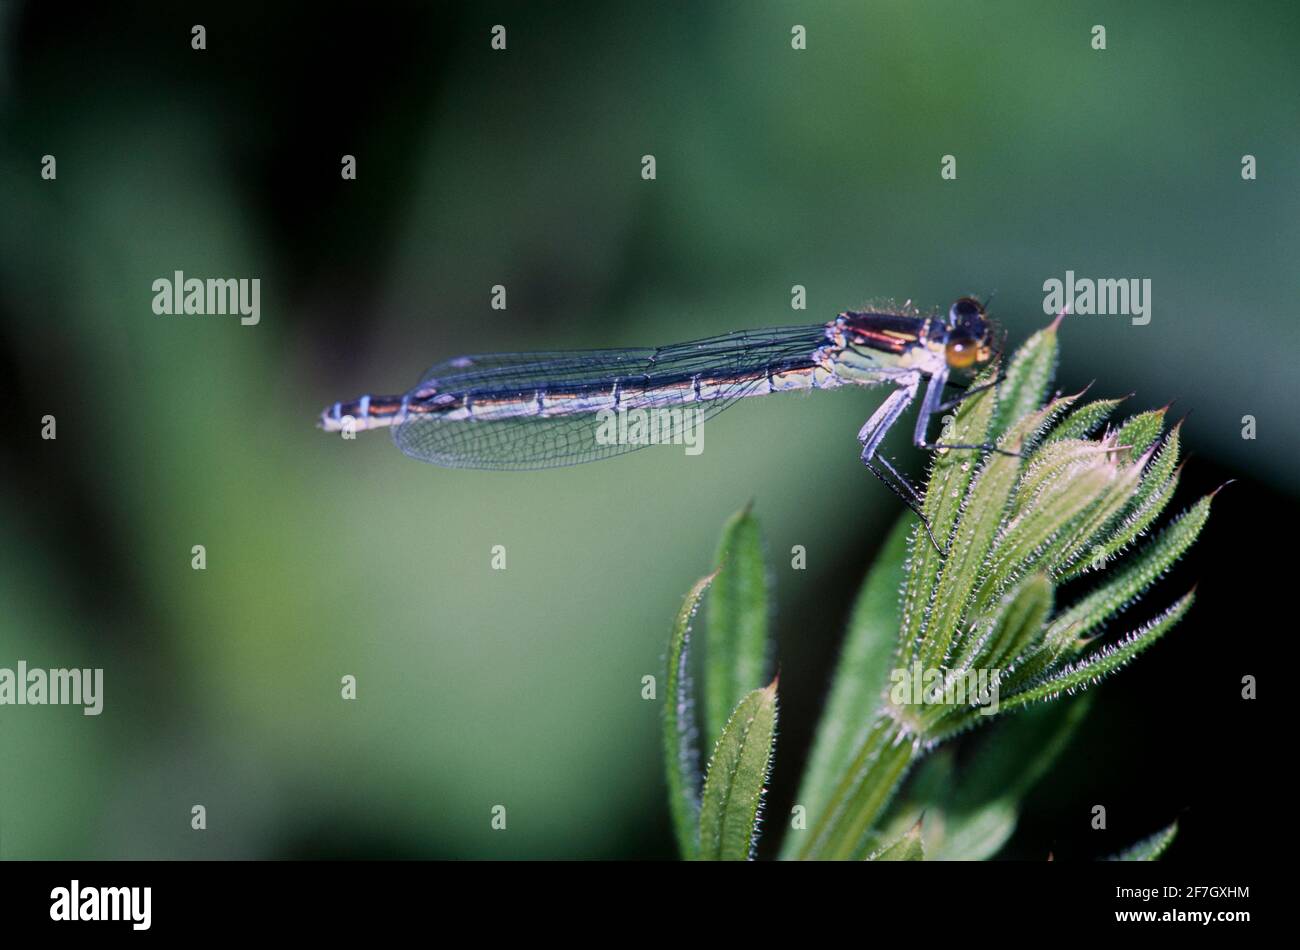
977, 627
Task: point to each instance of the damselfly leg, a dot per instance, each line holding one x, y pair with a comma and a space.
967, 393
873, 433
906, 494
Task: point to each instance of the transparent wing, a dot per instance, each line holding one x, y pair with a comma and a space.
531, 442
736, 364
730, 351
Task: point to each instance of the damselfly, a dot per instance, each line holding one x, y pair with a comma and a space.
540, 410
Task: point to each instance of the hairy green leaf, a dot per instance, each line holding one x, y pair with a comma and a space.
970, 814
980, 518
1149, 849
1159, 482
950, 476
1136, 576
1028, 376
1082, 422
841, 831
1027, 539
1080, 535
907, 848
1012, 628
1083, 673
1046, 466
733, 788
681, 755
1140, 432
735, 658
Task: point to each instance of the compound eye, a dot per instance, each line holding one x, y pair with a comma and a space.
961, 353
965, 310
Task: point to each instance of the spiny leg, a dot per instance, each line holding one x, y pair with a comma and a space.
900, 479
920, 502
873, 433
915, 506
931, 404
967, 393
983, 447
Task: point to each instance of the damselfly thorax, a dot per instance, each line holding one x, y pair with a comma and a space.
540, 410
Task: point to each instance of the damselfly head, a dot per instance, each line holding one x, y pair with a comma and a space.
968, 334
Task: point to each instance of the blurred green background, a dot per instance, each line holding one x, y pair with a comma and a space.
775, 167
